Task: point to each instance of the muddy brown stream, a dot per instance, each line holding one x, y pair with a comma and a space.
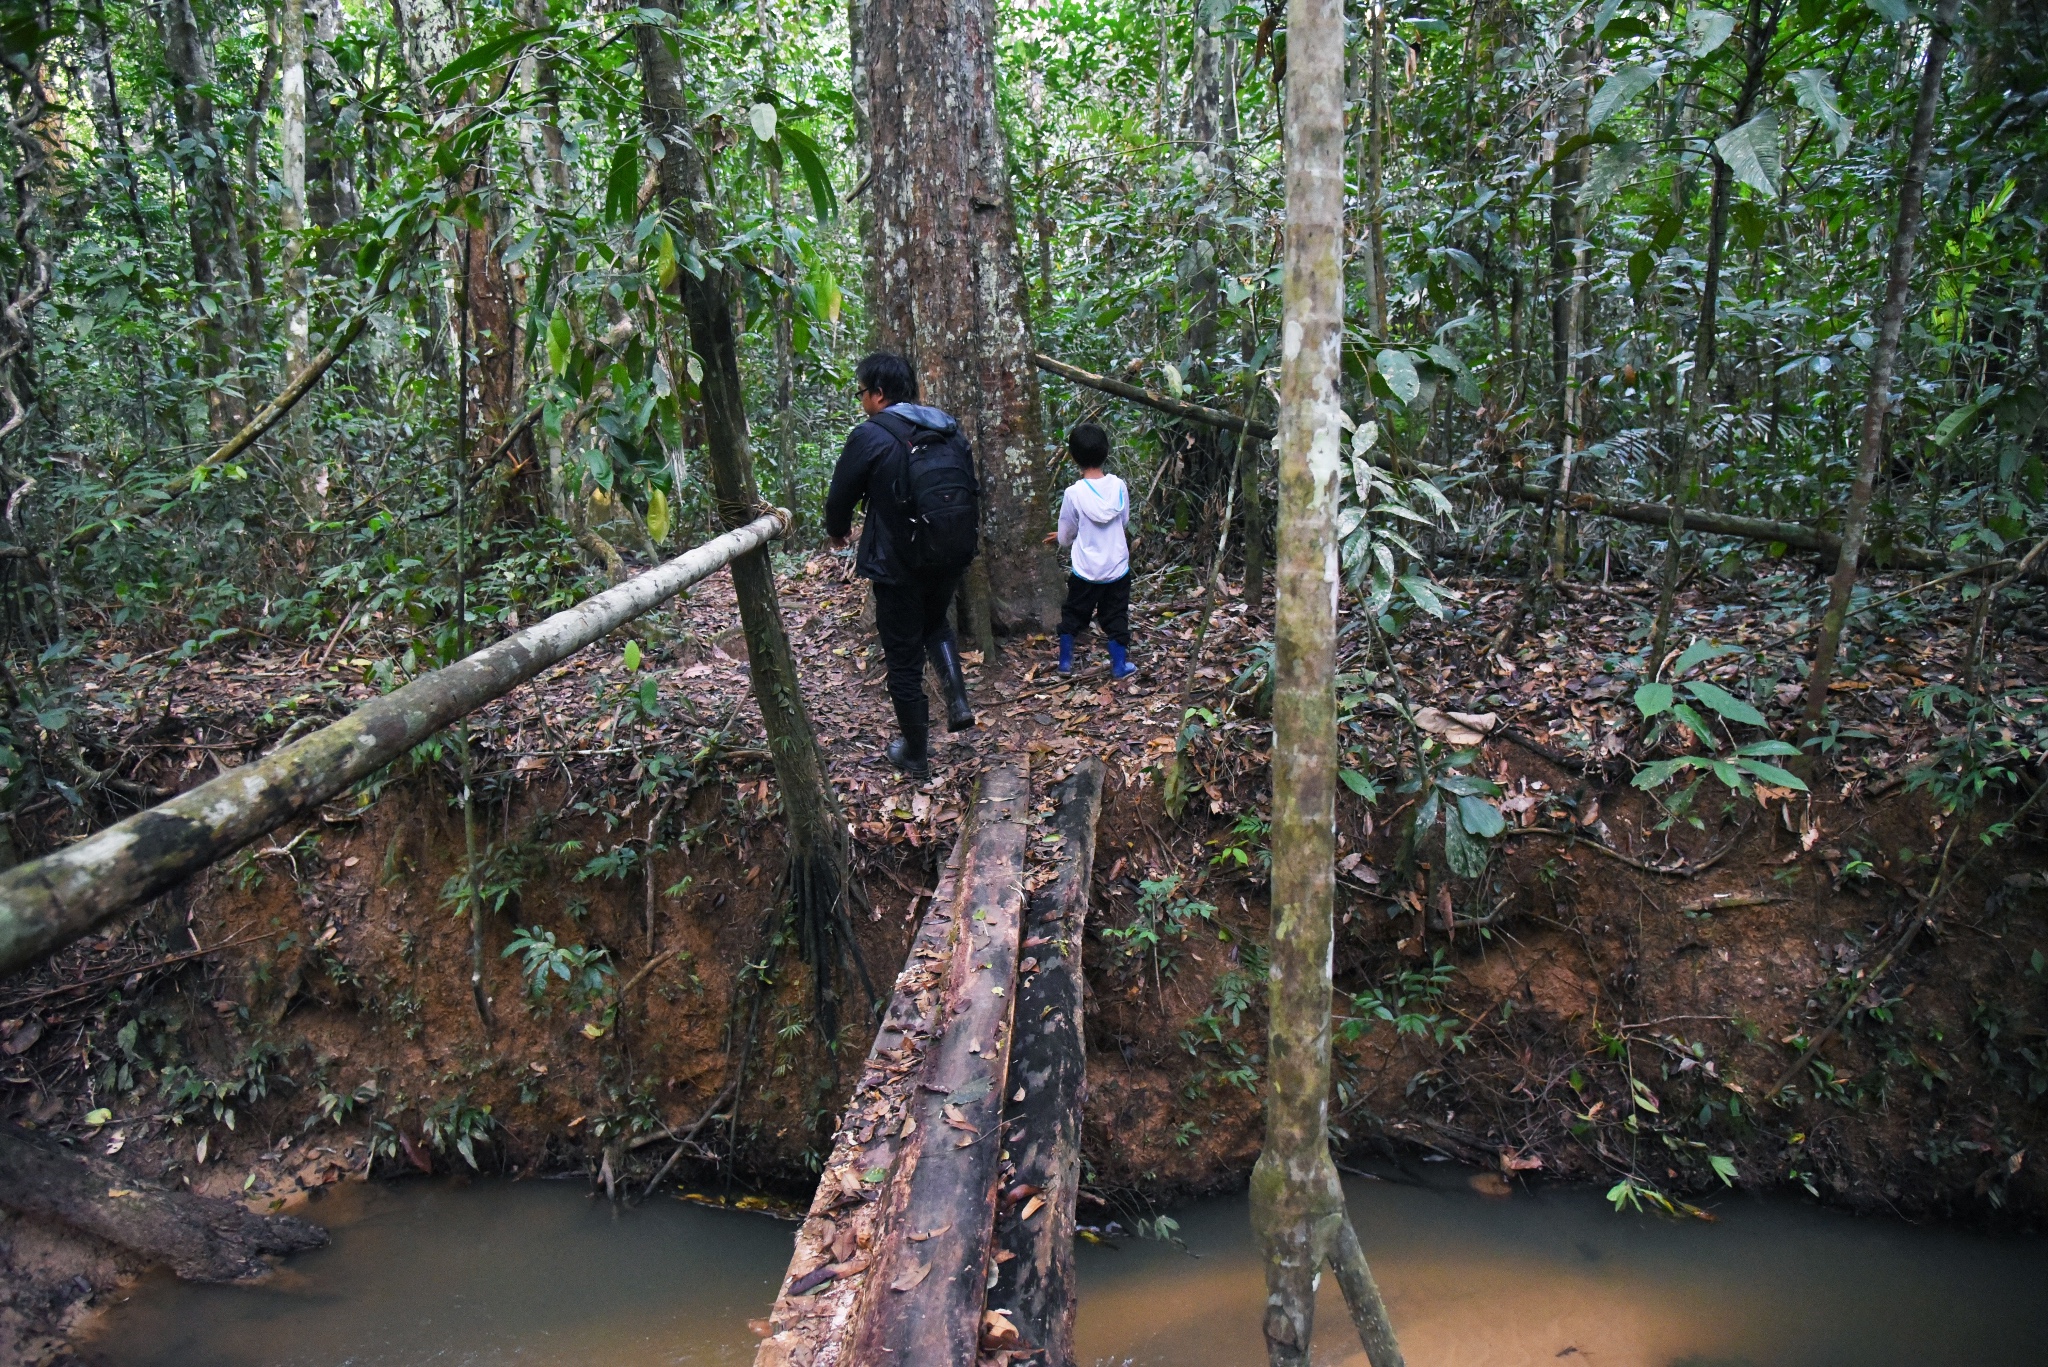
538, 1273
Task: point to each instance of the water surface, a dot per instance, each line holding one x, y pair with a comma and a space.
539, 1275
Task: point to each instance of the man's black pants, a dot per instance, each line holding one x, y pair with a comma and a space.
909, 618
1109, 604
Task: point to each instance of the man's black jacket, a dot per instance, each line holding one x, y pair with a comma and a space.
867, 470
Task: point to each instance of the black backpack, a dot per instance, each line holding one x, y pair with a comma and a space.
936, 488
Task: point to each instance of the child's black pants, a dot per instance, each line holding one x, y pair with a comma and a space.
1109, 604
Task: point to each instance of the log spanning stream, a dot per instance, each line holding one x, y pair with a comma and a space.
541, 1275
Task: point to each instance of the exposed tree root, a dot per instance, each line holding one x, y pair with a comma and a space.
201, 1238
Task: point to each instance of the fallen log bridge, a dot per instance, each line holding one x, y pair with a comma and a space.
942, 1228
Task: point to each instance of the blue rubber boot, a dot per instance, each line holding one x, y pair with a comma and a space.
1120, 666
1066, 654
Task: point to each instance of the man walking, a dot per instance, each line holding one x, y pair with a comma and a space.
911, 467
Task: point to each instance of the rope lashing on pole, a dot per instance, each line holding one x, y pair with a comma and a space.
48, 902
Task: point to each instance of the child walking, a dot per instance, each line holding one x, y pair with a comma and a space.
1093, 516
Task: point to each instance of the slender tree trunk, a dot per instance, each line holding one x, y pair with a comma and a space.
941, 211
330, 164
1205, 134
1568, 260
768, 23
1883, 359
547, 177
111, 132
434, 35
817, 828
211, 214
292, 219
1041, 221
1759, 29
1251, 493
1375, 167
1297, 1202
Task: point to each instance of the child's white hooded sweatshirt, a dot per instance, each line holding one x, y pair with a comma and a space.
1092, 521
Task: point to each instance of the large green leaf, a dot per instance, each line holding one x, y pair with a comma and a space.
1726, 703
1424, 595
622, 182
808, 159
1618, 89
1397, 368
1481, 817
1463, 851
1815, 90
1706, 30
1771, 773
1694, 722
1653, 698
1701, 650
1751, 152
1897, 11
1960, 421
483, 55
1613, 167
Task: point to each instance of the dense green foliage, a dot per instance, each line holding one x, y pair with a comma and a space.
1531, 192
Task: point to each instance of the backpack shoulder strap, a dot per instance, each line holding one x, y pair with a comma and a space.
902, 429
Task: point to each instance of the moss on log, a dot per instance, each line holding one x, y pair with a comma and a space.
50, 901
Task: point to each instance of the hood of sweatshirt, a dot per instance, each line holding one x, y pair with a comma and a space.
1101, 501
924, 415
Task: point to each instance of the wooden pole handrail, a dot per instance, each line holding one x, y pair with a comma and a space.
1152, 398
47, 902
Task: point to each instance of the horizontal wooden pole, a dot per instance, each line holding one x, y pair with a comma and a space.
1152, 398
50, 901
1795, 535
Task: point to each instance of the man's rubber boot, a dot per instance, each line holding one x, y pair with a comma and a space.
907, 754
1066, 654
1120, 666
907, 751
945, 658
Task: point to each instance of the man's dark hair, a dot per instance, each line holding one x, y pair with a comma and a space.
887, 374
1089, 446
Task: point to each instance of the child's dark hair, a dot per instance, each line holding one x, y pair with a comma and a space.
1089, 446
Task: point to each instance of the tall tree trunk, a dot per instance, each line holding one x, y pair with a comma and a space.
118, 162
1205, 135
292, 217
211, 215
1567, 263
433, 35
547, 177
1041, 221
1759, 29
946, 288
1375, 167
817, 828
1297, 1202
1251, 492
330, 165
1883, 360
768, 23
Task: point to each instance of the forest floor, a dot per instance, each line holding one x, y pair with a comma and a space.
1611, 1000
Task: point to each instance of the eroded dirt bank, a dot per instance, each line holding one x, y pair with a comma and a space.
1607, 1001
